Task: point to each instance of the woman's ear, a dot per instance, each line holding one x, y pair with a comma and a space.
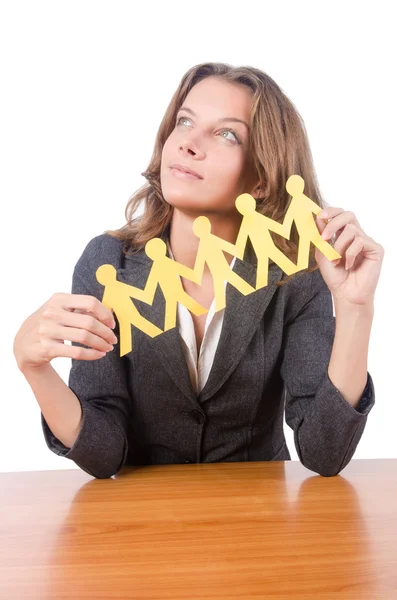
258, 191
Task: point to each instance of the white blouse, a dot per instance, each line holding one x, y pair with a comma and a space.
199, 366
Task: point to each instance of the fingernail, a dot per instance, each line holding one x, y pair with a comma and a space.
324, 235
323, 214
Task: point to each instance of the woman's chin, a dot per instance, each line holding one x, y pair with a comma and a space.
187, 205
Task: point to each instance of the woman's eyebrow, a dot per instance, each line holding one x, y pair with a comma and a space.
223, 119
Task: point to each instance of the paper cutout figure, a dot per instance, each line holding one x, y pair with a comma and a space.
257, 227
300, 210
210, 251
164, 272
117, 297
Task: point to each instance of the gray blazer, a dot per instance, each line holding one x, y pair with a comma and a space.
273, 352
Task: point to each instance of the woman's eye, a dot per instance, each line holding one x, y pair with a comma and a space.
232, 133
182, 119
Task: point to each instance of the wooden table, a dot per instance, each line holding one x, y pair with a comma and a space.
212, 531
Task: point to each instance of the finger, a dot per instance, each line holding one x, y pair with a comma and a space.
365, 247
353, 251
90, 304
345, 239
338, 222
325, 216
55, 332
330, 212
321, 225
58, 349
80, 321
368, 249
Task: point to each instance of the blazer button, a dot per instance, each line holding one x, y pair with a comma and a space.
197, 416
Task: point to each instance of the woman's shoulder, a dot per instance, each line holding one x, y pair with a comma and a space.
103, 243
108, 249
101, 249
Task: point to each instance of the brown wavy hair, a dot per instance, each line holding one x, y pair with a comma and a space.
278, 144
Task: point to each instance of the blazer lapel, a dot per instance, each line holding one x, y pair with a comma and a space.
241, 319
167, 345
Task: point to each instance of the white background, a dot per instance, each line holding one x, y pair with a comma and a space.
84, 86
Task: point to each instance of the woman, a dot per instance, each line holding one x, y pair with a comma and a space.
214, 387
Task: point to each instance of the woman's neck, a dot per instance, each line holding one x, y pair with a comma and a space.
184, 243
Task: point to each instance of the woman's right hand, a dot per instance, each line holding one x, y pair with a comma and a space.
71, 317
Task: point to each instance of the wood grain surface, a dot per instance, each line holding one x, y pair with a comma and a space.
212, 531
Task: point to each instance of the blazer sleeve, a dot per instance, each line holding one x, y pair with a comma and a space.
101, 387
326, 427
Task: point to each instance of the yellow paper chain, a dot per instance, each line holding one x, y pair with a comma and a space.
166, 272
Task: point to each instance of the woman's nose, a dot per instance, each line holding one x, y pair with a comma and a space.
190, 146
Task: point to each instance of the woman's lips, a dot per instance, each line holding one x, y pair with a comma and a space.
182, 174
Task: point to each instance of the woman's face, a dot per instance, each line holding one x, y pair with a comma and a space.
210, 138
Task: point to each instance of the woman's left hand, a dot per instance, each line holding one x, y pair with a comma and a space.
355, 276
